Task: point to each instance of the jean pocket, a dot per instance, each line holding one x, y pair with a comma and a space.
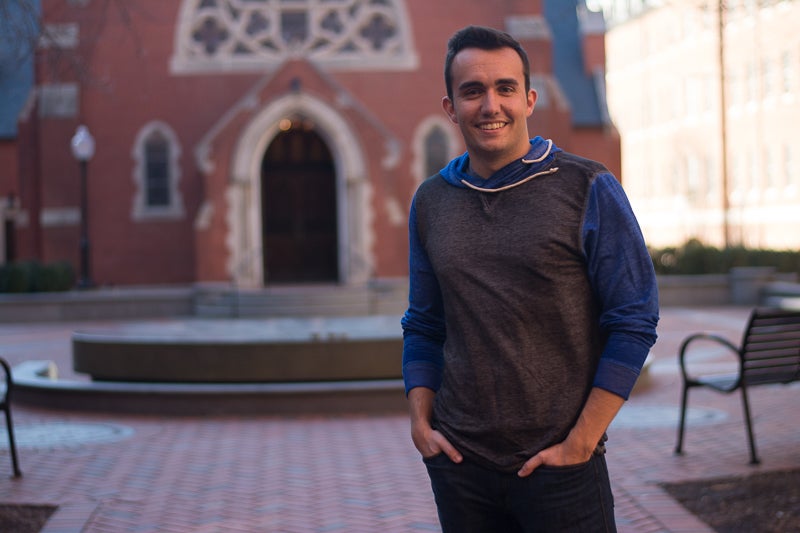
433, 458
565, 469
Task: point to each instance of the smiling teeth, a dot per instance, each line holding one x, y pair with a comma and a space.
493, 126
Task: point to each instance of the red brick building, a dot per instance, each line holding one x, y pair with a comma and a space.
264, 142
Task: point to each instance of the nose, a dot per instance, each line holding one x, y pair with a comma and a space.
491, 103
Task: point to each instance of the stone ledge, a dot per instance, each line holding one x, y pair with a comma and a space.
97, 304
35, 384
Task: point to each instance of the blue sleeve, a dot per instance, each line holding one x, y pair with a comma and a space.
624, 281
423, 323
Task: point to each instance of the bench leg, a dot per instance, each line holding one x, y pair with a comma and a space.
682, 423
748, 422
12, 443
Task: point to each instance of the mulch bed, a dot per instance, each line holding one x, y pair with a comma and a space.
24, 518
765, 502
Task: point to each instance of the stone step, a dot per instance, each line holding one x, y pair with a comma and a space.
332, 300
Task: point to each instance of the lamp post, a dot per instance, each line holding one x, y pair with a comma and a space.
723, 104
83, 149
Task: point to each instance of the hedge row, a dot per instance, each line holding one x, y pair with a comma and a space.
32, 276
696, 258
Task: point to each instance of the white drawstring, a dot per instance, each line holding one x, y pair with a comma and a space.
511, 185
544, 155
520, 182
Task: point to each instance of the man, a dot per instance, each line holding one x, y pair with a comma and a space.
532, 307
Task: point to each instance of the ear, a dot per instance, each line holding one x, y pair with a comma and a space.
450, 109
532, 96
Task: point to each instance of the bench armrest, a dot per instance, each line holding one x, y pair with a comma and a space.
5, 386
682, 353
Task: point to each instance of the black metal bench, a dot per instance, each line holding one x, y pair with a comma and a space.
769, 354
5, 405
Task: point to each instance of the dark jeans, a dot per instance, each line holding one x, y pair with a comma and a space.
471, 498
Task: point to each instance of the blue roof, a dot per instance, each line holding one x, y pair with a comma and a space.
19, 22
568, 65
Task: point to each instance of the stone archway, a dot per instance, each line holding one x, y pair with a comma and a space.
245, 237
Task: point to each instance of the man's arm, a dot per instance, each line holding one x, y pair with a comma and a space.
622, 276
423, 323
597, 414
423, 339
427, 440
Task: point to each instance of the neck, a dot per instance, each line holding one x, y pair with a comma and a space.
484, 168
484, 163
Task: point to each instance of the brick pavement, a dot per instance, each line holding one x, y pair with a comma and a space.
114, 473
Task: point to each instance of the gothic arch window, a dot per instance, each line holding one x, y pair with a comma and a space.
436, 152
251, 35
435, 144
157, 173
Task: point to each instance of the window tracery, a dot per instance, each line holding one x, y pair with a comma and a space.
254, 34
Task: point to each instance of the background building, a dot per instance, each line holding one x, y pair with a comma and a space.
259, 142
691, 170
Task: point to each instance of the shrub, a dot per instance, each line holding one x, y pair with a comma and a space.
696, 258
32, 276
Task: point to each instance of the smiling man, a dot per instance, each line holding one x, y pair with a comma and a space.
532, 307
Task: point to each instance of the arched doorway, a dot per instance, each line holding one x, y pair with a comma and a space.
244, 200
298, 207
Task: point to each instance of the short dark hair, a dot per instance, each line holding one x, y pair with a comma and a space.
485, 39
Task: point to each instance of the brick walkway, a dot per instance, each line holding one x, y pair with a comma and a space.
117, 473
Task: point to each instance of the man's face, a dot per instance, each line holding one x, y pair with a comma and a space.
490, 106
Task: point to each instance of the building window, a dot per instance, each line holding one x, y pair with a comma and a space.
770, 178
692, 176
435, 143
436, 152
735, 172
156, 155
676, 184
766, 79
251, 35
156, 174
790, 174
751, 81
787, 73
734, 80
712, 189
751, 178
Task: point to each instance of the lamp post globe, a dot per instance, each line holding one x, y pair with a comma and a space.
82, 145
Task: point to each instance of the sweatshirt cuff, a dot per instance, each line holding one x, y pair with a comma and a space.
615, 378
421, 374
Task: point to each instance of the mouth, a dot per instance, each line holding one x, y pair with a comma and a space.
490, 126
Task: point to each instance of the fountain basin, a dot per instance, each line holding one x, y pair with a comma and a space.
274, 350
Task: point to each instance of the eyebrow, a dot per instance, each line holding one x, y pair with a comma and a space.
501, 81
